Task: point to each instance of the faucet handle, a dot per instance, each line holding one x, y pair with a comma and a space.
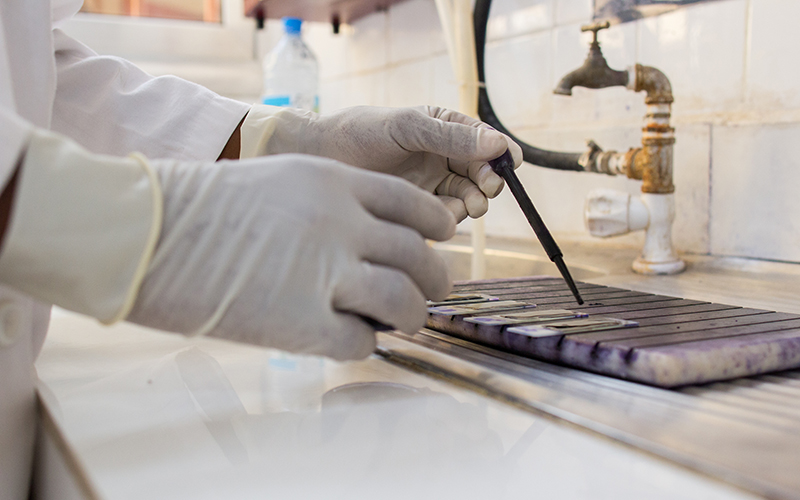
595, 27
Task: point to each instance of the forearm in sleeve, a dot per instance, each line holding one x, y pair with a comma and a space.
110, 106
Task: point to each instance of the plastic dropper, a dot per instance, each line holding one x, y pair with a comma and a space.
504, 167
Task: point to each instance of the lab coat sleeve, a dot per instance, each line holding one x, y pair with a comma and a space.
14, 136
110, 106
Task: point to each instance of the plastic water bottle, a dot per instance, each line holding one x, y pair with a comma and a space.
291, 73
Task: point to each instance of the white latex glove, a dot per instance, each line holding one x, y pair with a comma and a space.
442, 151
288, 251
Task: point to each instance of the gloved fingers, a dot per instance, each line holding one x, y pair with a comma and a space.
462, 188
451, 116
415, 130
352, 338
396, 200
455, 205
403, 249
487, 180
384, 294
480, 173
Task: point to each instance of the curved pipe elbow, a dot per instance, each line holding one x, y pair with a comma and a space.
655, 83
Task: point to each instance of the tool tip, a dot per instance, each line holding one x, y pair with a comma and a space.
562, 267
575, 292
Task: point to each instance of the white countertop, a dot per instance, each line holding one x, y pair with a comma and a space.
150, 415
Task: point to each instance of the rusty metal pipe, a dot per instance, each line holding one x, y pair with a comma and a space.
655, 83
652, 163
610, 213
658, 137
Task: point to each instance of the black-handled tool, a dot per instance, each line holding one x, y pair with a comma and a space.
504, 167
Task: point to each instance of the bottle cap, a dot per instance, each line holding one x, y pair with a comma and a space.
292, 25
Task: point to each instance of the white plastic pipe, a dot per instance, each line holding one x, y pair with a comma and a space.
658, 255
478, 264
456, 19
611, 213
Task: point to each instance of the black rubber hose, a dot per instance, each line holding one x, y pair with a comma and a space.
531, 154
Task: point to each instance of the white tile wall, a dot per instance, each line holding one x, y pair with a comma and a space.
334, 94
736, 111
691, 176
414, 31
701, 49
571, 11
331, 51
445, 85
510, 18
369, 45
518, 79
755, 205
411, 84
368, 90
773, 75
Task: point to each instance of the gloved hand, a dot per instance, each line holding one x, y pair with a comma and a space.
288, 251
441, 151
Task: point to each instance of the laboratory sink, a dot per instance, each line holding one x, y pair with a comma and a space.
742, 432
425, 416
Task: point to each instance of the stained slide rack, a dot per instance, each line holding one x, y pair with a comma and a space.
655, 339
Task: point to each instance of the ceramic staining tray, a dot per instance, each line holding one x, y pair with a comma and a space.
677, 342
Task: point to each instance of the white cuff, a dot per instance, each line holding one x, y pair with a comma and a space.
83, 228
269, 130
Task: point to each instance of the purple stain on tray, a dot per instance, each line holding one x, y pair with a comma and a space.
671, 364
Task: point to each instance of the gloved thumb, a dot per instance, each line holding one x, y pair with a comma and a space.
416, 131
472, 139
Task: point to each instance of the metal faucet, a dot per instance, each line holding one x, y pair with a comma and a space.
595, 73
609, 213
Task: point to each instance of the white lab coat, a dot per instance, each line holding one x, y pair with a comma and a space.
48, 80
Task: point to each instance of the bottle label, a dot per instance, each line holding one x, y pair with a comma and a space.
286, 101
277, 100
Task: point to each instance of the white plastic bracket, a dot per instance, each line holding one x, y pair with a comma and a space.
612, 213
